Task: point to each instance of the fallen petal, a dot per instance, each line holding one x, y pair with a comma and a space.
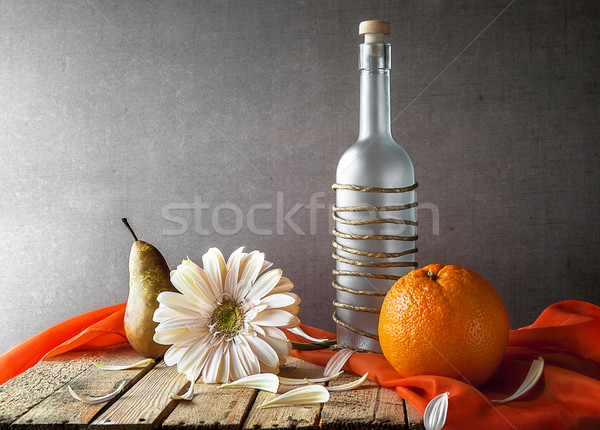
300, 332
125, 367
97, 400
350, 385
260, 381
533, 376
436, 411
300, 396
306, 381
337, 361
188, 395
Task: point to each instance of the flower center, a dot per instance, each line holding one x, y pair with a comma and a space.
227, 318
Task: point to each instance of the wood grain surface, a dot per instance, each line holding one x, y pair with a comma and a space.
38, 399
301, 416
60, 408
147, 403
25, 391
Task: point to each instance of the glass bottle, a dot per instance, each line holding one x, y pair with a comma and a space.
374, 160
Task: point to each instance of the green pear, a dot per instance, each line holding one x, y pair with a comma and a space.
149, 276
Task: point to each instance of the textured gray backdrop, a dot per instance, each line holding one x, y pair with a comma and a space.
152, 109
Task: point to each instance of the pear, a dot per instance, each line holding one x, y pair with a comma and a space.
149, 275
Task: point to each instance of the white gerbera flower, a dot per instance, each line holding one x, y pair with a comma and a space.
224, 324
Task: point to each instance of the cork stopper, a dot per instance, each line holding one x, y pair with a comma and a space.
374, 30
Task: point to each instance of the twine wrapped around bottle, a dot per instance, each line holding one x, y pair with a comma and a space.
374, 264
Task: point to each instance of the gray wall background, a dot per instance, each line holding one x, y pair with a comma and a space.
112, 109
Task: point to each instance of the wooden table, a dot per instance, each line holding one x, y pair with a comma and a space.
38, 399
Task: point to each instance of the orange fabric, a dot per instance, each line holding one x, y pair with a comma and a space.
96, 329
566, 334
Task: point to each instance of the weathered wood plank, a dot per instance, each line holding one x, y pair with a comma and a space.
60, 410
389, 412
212, 407
350, 409
414, 417
146, 404
38, 399
26, 390
302, 417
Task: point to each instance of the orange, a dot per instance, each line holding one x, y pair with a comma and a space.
444, 320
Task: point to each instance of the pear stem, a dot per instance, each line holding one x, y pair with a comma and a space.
129, 228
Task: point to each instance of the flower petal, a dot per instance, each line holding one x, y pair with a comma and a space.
281, 347
238, 368
300, 396
238, 254
233, 269
263, 351
258, 329
306, 381
194, 358
337, 361
280, 300
190, 323
164, 313
277, 318
260, 381
223, 373
211, 371
127, 366
293, 309
249, 360
245, 259
188, 395
265, 266
189, 283
275, 333
533, 376
215, 270
171, 337
264, 285
350, 385
173, 355
436, 411
180, 303
300, 332
250, 271
97, 400
283, 286
198, 275
251, 313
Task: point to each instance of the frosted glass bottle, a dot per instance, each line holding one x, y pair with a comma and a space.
374, 160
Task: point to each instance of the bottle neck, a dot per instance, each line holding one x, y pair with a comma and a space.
374, 65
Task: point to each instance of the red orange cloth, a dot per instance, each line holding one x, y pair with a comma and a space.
566, 335
92, 330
